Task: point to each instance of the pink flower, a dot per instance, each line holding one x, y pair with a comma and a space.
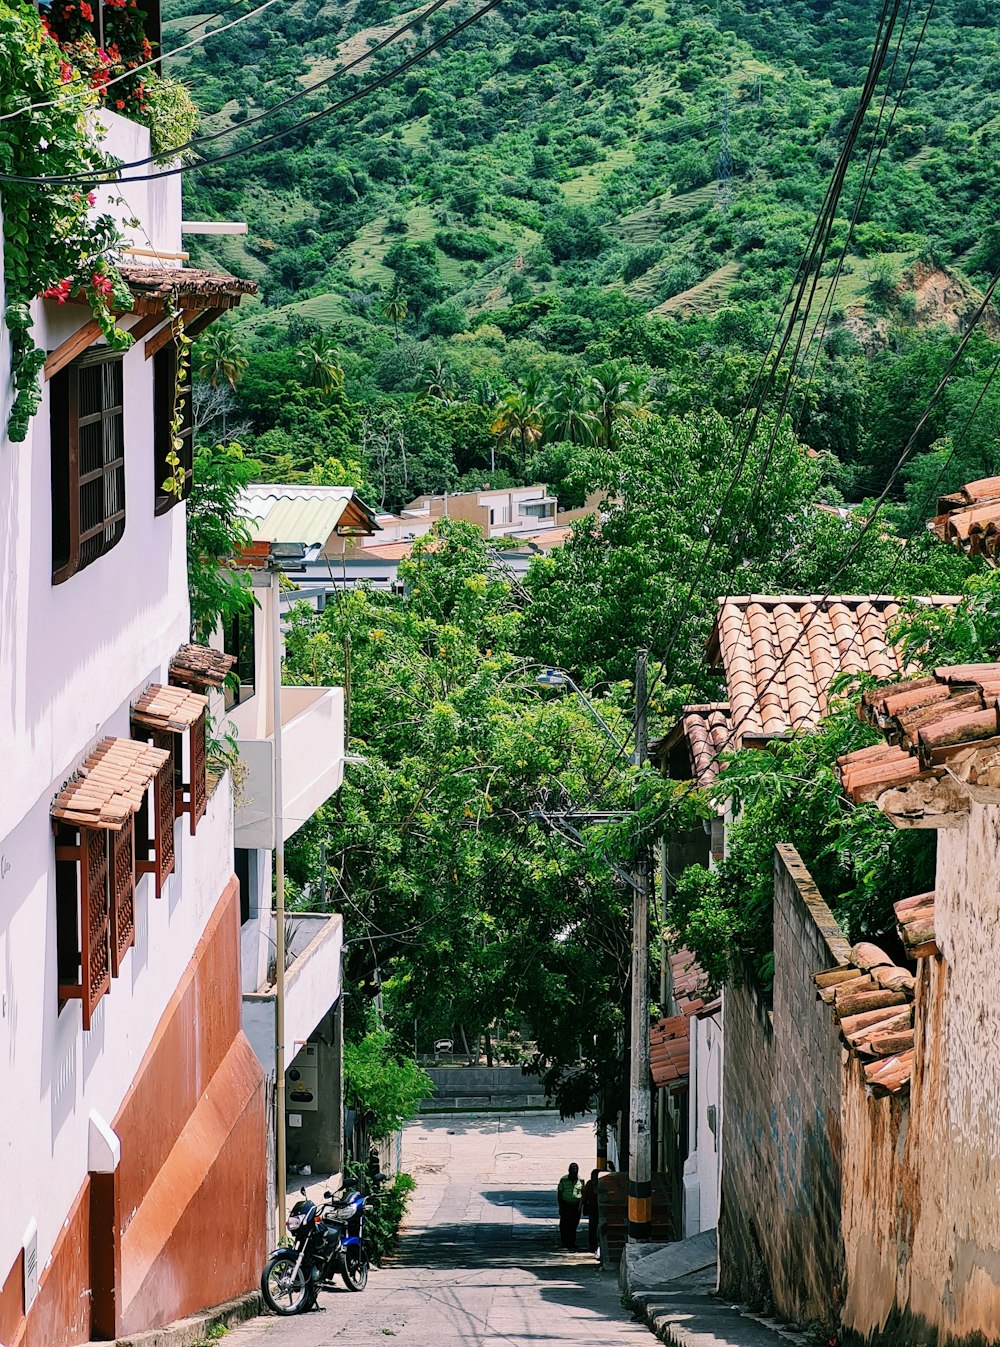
59, 292
102, 284
65, 71
91, 198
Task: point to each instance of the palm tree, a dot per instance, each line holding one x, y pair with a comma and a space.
221, 360
616, 393
518, 417
318, 360
438, 382
570, 413
395, 309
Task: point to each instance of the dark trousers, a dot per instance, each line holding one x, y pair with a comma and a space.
569, 1219
593, 1234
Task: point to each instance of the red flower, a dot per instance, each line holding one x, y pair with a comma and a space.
102, 284
59, 292
147, 49
65, 71
86, 13
119, 102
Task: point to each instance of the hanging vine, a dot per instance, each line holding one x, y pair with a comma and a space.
53, 244
174, 485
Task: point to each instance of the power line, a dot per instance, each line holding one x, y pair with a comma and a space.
809, 265
105, 180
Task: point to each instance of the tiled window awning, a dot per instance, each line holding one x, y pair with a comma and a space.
199, 666
166, 708
110, 786
93, 818
164, 715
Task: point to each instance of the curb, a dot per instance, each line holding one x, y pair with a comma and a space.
192, 1331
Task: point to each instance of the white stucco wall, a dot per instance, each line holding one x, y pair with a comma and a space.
72, 658
703, 1166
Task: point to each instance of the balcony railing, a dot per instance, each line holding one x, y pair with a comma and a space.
312, 736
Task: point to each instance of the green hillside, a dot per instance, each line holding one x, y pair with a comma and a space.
543, 194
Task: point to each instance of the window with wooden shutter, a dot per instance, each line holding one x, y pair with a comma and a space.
88, 462
164, 388
163, 716
122, 886
83, 917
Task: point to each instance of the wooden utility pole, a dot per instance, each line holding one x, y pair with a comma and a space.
640, 1177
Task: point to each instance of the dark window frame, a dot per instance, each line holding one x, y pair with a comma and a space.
87, 466
164, 386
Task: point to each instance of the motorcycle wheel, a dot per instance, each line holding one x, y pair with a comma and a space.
284, 1293
354, 1269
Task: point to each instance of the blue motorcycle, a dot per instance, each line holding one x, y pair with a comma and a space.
327, 1239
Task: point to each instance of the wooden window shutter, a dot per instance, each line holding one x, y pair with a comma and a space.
122, 893
198, 797
83, 916
156, 840
164, 384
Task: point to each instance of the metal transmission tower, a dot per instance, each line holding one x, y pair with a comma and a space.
724, 163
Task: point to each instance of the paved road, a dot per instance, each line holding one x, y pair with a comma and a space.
479, 1261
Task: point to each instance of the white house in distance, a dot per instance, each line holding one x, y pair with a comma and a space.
132, 1141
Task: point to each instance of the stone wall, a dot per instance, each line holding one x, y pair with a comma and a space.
780, 1242
483, 1087
920, 1175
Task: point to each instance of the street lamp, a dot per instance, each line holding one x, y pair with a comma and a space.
559, 678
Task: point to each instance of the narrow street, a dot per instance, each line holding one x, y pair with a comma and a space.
479, 1260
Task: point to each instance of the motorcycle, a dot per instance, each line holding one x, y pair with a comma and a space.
327, 1240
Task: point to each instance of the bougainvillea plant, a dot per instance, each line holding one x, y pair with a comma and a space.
53, 243
108, 45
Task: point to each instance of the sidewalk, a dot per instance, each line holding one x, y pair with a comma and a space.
672, 1287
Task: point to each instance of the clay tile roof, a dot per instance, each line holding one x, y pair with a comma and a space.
970, 518
670, 1050
384, 552
110, 784
158, 282
915, 917
687, 980
706, 730
872, 1003
945, 724
168, 708
780, 654
200, 667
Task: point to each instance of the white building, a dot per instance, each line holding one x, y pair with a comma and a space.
133, 1133
287, 523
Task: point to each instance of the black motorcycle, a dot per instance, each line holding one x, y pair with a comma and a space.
327, 1239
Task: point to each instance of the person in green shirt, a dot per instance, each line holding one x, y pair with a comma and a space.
569, 1195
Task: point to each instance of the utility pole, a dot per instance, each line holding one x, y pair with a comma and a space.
640, 1176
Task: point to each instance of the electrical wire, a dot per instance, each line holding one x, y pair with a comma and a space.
763, 384
103, 179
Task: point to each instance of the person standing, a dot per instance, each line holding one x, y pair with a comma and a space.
591, 1211
569, 1195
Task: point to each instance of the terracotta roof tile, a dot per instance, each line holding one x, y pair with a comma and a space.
706, 730
780, 654
970, 518
872, 1000
915, 917
943, 746
110, 784
200, 667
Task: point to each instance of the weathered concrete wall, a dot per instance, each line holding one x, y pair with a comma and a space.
921, 1178
779, 1226
474, 1087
